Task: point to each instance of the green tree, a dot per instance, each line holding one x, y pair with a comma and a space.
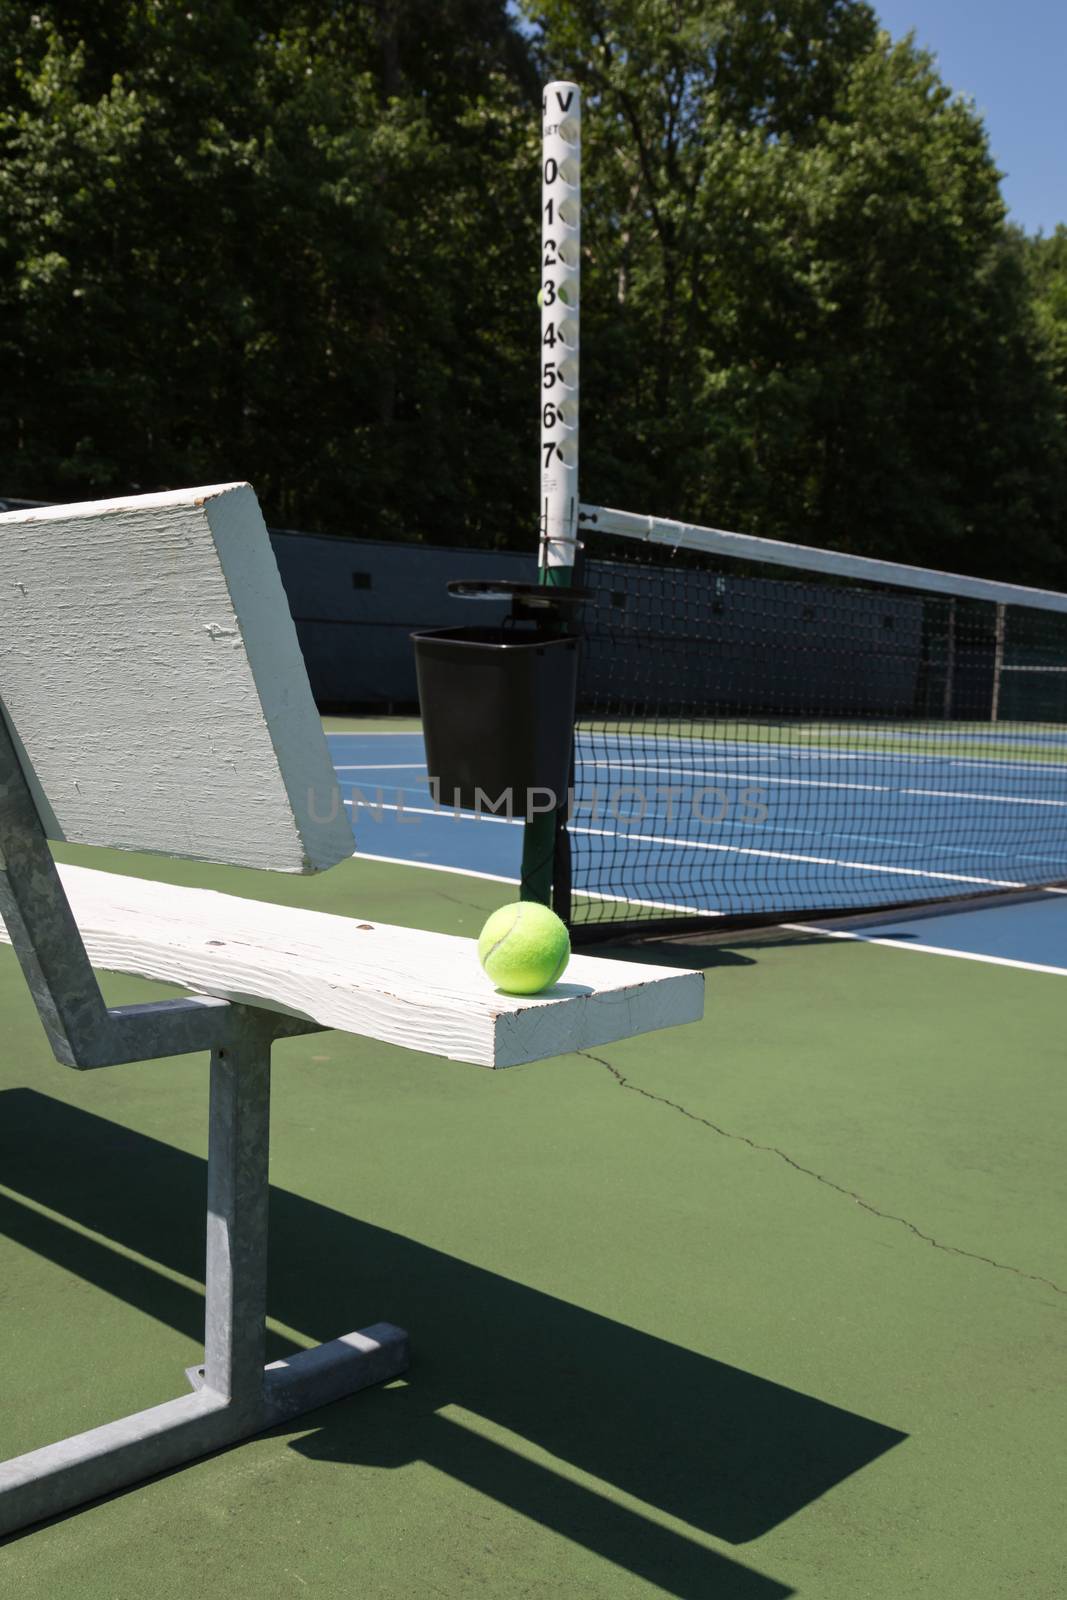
278, 247
295, 243
1046, 266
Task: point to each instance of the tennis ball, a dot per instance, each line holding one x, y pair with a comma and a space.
540, 297
524, 948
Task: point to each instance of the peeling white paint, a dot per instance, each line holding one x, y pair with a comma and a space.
108, 669
424, 991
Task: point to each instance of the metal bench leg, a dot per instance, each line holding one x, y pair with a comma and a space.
234, 1395
237, 1200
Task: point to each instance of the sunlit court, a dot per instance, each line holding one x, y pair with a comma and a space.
533, 812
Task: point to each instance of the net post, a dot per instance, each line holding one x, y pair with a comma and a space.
950, 662
998, 661
559, 298
561, 167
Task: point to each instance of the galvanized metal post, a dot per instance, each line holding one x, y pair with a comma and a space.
234, 1394
237, 1201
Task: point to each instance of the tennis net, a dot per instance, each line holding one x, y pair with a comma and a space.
767, 730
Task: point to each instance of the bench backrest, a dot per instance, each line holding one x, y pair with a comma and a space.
153, 685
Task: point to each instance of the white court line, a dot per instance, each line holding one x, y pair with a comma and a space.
827, 738
823, 783
713, 749
696, 844
675, 842
706, 911
433, 866
449, 813
1006, 766
767, 751
496, 877
1000, 799
817, 861
813, 758
649, 905
923, 949
747, 777
695, 911
784, 751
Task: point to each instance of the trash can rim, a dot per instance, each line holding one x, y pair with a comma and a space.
463, 636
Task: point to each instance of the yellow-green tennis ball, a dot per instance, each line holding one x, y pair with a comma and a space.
524, 948
540, 297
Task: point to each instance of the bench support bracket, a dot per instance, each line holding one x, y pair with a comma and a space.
233, 1394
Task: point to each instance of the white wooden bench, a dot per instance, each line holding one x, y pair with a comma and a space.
154, 698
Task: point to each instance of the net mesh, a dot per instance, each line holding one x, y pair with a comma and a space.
752, 741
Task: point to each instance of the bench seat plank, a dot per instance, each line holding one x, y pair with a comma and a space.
424, 991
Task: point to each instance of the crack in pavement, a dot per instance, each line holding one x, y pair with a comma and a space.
809, 1172
457, 900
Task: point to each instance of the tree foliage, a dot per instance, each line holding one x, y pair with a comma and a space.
805, 316
1046, 265
295, 243
236, 248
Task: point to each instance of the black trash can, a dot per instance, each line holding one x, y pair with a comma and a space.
497, 715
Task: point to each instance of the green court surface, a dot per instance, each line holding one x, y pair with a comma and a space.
767, 1305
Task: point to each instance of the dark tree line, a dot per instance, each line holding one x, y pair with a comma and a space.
296, 243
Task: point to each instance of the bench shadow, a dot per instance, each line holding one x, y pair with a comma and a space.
729, 1453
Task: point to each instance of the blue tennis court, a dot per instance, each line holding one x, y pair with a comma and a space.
715, 825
